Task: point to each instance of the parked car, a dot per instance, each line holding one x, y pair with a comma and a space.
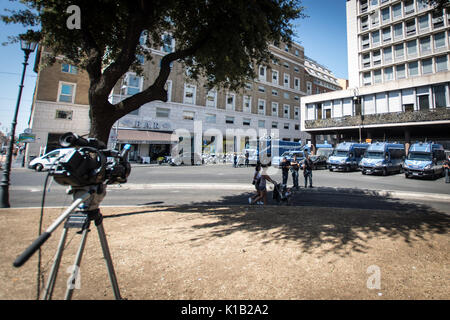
320, 158
45, 162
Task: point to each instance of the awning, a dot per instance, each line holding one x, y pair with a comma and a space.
145, 137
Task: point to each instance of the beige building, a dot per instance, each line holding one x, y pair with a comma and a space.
268, 106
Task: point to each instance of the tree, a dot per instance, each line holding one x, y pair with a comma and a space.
217, 40
439, 4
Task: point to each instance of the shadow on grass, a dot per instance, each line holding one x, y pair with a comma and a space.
334, 221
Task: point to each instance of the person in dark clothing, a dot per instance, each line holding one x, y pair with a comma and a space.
235, 160
447, 170
285, 170
307, 170
247, 155
295, 166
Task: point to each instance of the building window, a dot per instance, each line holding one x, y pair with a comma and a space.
410, 27
423, 22
274, 125
425, 45
297, 84
367, 79
133, 84
388, 74
438, 19
274, 76
427, 66
286, 95
387, 34
413, 68
296, 69
246, 122
211, 99
229, 120
275, 109
168, 43
376, 55
411, 47
230, 101
386, 14
377, 76
374, 18
308, 87
66, 92
286, 65
387, 55
439, 40
422, 4
68, 68
168, 88
286, 126
210, 118
188, 115
297, 127
364, 23
261, 124
365, 42
63, 114
409, 7
397, 10
297, 113
189, 93
262, 73
398, 30
274, 92
400, 71
441, 63
247, 104
440, 96
261, 106
286, 111
399, 51
162, 113
375, 38
261, 89
287, 80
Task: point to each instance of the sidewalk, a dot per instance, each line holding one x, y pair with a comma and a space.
241, 253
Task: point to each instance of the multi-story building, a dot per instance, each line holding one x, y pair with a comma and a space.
319, 79
398, 54
270, 104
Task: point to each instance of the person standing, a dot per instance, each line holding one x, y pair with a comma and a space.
285, 170
262, 187
295, 166
235, 160
247, 155
255, 182
307, 170
447, 169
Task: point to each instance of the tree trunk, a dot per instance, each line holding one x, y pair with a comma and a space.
102, 119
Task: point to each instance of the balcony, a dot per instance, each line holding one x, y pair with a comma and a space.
382, 118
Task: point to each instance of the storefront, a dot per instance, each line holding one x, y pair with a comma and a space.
146, 145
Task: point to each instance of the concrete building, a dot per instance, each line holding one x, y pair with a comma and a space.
398, 54
224, 119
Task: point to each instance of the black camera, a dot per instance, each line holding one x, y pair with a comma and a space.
90, 163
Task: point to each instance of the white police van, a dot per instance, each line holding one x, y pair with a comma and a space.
425, 159
383, 158
346, 156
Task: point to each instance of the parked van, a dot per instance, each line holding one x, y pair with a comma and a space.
347, 156
383, 158
425, 159
46, 161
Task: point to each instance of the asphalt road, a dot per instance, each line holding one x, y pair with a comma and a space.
225, 185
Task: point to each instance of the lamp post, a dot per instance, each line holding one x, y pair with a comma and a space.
28, 47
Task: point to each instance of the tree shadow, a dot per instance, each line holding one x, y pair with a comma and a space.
332, 220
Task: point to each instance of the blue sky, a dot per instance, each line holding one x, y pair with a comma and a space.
323, 35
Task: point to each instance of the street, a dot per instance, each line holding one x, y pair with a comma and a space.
225, 185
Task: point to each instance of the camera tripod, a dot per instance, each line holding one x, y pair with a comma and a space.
79, 214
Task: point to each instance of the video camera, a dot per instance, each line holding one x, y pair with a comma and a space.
90, 163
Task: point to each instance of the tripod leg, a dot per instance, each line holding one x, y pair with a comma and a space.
76, 266
54, 272
109, 264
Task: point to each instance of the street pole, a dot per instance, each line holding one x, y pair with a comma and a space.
27, 47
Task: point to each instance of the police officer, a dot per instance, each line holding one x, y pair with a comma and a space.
307, 170
295, 166
285, 170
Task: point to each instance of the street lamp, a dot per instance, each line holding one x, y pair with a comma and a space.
28, 47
